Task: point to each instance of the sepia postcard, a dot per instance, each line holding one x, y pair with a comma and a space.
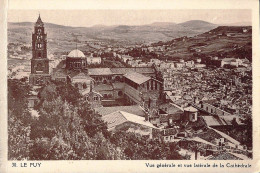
140, 86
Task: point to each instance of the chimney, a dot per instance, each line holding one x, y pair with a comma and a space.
146, 117
194, 100
196, 154
91, 87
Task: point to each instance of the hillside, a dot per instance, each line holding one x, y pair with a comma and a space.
63, 35
223, 41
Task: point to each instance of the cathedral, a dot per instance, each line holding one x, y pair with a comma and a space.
100, 86
135, 90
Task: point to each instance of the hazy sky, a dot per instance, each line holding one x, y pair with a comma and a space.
129, 17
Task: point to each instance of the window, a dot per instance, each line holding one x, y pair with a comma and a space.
39, 55
95, 98
193, 116
155, 85
117, 78
120, 93
76, 85
39, 67
151, 85
84, 85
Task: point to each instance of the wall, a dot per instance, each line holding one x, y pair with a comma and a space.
214, 110
133, 94
116, 95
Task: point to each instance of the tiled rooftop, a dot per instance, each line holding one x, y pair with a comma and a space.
118, 85
137, 77
224, 156
135, 109
103, 87
119, 117
100, 71
143, 70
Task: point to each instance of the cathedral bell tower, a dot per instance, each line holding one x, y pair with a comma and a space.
39, 62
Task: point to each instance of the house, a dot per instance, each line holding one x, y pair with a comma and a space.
133, 109
169, 112
224, 156
93, 60
121, 120
82, 81
169, 134
199, 65
106, 90
127, 58
140, 88
180, 65
209, 108
191, 114
59, 75
33, 99
231, 61
118, 88
221, 121
93, 98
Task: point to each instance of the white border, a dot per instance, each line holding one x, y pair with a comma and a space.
129, 166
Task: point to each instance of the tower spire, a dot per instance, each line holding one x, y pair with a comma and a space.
39, 62
39, 20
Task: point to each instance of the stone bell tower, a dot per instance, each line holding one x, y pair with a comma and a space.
39, 62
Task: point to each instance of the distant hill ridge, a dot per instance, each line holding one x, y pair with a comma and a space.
132, 34
191, 22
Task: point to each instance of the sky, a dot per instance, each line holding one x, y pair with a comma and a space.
90, 17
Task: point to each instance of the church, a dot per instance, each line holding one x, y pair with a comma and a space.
99, 86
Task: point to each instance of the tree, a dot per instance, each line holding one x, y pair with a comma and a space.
19, 120
18, 93
247, 137
136, 147
71, 130
18, 138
